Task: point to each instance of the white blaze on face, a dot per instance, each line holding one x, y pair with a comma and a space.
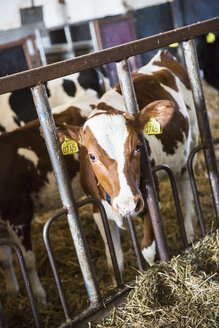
111, 134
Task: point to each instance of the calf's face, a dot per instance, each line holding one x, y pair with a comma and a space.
113, 146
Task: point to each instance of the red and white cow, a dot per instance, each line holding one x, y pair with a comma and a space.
28, 186
110, 153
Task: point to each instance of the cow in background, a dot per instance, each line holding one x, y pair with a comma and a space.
17, 108
110, 153
28, 186
208, 57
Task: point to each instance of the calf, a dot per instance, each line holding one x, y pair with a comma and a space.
110, 153
27, 186
17, 108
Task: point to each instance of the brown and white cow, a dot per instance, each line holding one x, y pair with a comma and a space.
28, 186
110, 153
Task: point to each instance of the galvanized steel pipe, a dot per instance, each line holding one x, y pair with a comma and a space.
49, 130
203, 122
152, 200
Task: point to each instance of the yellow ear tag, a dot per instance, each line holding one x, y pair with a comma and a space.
174, 45
69, 146
152, 127
210, 38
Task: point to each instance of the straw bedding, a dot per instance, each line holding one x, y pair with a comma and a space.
181, 293
171, 294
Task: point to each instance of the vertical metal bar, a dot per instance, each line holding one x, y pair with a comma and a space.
176, 200
152, 200
40, 47
49, 130
104, 218
93, 36
69, 39
27, 284
203, 122
194, 188
135, 243
177, 22
52, 261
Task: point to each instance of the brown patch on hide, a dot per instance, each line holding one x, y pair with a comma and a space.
175, 131
168, 61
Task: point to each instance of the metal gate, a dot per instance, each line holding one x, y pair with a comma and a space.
35, 79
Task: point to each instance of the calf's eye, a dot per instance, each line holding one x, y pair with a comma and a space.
92, 157
138, 147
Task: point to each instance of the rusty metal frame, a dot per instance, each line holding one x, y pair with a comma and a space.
42, 74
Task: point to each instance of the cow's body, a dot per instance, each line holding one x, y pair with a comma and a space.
28, 186
110, 156
17, 108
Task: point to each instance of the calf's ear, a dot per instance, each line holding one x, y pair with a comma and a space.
71, 131
161, 110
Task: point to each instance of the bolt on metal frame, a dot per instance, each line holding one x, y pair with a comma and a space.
35, 77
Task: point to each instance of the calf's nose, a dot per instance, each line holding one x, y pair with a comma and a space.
128, 206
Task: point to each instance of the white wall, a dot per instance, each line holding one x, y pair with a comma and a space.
74, 10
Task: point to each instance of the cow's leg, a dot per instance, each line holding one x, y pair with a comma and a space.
38, 289
116, 241
185, 191
6, 261
148, 245
21, 234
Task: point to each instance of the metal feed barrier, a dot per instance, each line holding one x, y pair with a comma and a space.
36, 77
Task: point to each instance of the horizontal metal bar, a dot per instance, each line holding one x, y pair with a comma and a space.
42, 74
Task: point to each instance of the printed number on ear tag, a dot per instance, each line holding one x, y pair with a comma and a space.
69, 146
152, 127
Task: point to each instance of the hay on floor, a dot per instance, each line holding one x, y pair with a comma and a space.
181, 293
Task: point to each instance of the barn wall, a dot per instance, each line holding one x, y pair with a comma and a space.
76, 10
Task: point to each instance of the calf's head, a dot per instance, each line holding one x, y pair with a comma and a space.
113, 147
